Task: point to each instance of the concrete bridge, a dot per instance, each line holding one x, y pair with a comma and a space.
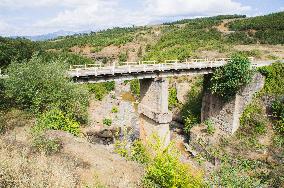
153, 108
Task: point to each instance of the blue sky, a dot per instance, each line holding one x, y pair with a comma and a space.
33, 17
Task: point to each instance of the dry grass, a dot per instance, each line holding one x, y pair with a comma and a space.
20, 168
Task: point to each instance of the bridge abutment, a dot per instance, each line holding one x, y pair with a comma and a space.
153, 109
226, 114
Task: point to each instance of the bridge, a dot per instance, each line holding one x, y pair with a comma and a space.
94, 73
153, 108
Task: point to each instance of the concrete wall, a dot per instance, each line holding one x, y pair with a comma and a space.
226, 115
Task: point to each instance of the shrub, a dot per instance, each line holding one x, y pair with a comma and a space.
191, 111
139, 153
101, 89
173, 101
39, 85
135, 87
163, 167
123, 57
166, 170
229, 79
209, 127
114, 109
278, 113
274, 79
55, 119
47, 146
253, 120
107, 122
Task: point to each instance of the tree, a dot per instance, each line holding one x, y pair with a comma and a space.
229, 79
39, 86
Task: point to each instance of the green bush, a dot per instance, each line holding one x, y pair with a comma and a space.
100, 90
114, 109
123, 57
39, 86
191, 110
278, 113
274, 79
163, 165
139, 153
209, 127
55, 119
173, 101
165, 169
135, 87
107, 122
253, 120
229, 79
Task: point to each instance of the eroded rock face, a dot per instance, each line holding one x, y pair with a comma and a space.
182, 91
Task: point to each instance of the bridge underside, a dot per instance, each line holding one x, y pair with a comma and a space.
140, 75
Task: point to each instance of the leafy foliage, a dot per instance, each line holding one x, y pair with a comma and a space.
274, 79
173, 101
268, 29
115, 36
107, 121
209, 126
229, 79
253, 120
165, 168
272, 21
39, 86
101, 89
15, 49
135, 87
278, 112
191, 110
55, 119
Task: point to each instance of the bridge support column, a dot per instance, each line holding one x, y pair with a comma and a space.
226, 114
153, 108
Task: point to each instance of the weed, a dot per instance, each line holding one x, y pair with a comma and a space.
107, 122
114, 109
209, 127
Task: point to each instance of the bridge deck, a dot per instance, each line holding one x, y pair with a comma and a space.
148, 69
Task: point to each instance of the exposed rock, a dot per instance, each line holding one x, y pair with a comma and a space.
182, 91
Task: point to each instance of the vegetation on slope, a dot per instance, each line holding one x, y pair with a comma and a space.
115, 36
266, 29
15, 49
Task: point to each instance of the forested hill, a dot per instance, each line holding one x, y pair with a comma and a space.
190, 38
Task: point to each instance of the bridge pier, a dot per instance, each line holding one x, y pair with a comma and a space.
153, 109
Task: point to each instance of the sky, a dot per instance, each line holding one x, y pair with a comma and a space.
34, 17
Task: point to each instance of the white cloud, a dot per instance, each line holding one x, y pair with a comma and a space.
193, 7
5, 28
81, 15
281, 8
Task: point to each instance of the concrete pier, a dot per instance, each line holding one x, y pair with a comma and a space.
153, 109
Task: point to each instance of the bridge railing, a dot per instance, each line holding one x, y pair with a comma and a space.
152, 65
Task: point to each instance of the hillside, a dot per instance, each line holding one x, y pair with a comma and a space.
56, 133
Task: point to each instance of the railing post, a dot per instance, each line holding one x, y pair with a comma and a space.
96, 71
113, 68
